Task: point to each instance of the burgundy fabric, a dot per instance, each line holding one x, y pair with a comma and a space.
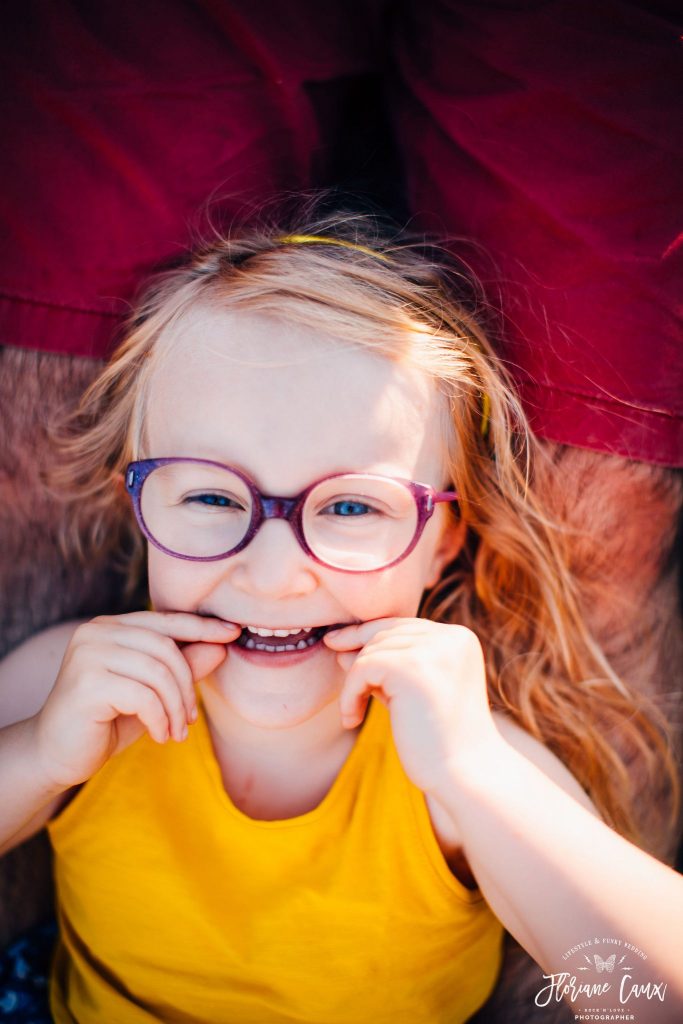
548, 131
552, 134
119, 120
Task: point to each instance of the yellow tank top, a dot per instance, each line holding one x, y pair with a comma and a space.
175, 906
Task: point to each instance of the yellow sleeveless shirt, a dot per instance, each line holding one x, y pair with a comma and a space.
175, 906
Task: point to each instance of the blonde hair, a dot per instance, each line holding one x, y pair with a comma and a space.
511, 583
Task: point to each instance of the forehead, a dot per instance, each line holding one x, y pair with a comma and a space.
289, 404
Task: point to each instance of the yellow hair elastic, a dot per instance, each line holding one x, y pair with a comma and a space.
326, 240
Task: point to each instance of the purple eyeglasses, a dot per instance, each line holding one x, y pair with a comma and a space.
204, 511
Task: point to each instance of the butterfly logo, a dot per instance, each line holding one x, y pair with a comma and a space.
604, 965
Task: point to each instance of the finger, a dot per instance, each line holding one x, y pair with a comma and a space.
388, 640
346, 659
352, 637
166, 650
203, 659
362, 681
154, 674
129, 697
179, 625
128, 729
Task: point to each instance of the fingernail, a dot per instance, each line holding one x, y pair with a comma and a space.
194, 714
183, 734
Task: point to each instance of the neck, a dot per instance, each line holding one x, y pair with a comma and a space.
276, 773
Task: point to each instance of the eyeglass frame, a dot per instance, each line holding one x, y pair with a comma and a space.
266, 507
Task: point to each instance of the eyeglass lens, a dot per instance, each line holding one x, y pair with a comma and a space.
349, 522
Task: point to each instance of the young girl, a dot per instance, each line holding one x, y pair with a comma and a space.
363, 728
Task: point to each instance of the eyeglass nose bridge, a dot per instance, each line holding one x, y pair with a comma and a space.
271, 507
278, 508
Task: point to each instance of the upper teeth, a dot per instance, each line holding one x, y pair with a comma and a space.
277, 632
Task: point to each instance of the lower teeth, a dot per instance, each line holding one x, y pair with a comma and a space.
252, 645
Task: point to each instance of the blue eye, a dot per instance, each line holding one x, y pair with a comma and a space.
349, 508
212, 500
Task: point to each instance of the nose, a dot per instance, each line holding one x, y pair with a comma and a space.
273, 565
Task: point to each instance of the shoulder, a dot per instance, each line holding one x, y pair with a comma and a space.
450, 840
28, 673
543, 758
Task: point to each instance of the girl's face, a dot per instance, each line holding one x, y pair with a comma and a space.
288, 406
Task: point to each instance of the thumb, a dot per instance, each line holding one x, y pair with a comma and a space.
204, 658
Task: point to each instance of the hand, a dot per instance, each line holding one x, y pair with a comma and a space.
122, 675
431, 676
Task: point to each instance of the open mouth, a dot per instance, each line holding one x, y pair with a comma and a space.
298, 641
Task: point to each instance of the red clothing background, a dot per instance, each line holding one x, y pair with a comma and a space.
121, 119
549, 131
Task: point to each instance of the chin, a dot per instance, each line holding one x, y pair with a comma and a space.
277, 699
274, 712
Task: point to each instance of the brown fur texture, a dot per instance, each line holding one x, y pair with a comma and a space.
38, 587
624, 519
622, 516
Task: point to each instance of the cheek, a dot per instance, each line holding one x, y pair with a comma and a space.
180, 585
391, 592
174, 584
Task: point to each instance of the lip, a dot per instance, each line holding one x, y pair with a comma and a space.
281, 658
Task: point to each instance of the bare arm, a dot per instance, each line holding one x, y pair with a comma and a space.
27, 675
30, 798
557, 876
